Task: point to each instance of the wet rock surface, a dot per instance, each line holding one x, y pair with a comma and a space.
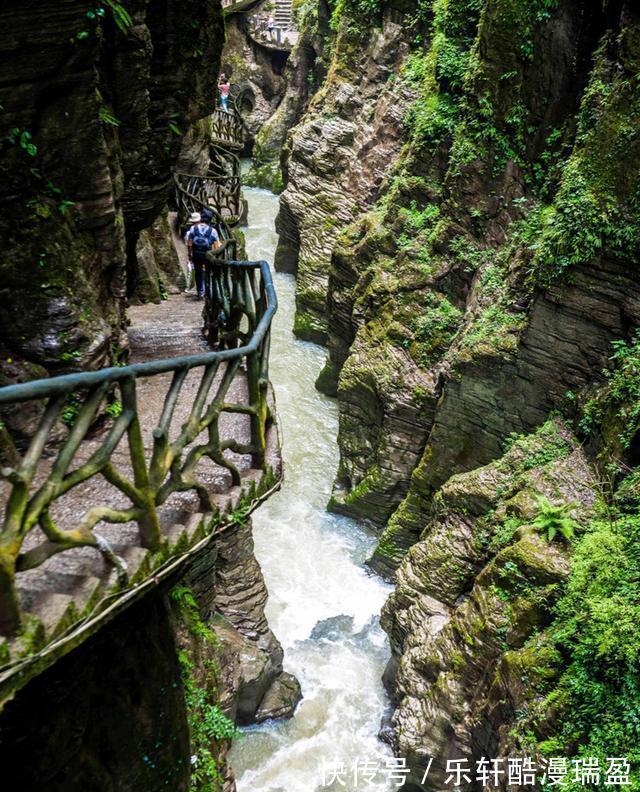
459, 312
469, 596
88, 152
115, 717
338, 156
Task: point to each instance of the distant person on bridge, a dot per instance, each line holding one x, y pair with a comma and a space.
200, 239
224, 87
271, 26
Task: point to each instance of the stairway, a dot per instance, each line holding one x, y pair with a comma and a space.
282, 14
70, 585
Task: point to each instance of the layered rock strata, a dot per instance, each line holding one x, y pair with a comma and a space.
492, 284
492, 276
142, 687
472, 598
337, 159
95, 103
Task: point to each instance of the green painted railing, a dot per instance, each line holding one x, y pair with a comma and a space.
240, 302
246, 291
217, 191
227, 127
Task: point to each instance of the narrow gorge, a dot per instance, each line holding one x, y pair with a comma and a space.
351, 500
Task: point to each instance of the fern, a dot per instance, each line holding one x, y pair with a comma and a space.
554, 520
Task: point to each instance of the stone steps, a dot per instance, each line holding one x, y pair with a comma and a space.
69, 585
282, 14
69, 591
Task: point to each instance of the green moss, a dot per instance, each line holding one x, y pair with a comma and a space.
209, 728
597, 206
439, 72
309, 328
388, 552
495, 331
266, 175
597, 697
372, 481
615, 408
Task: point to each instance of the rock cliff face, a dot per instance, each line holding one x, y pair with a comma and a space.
274, 84
94, 104
256, 73
106, 727
491, 284
470, 595
165, 681
338, 157
304, 71
231, 595
463, 307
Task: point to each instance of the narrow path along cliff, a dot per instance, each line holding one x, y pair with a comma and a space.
323, 605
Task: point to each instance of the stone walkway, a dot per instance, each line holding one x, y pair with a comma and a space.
69, 584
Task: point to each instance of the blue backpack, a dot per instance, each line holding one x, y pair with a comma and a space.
202, 239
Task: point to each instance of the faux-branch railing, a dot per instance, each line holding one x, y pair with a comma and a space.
151, 477
227, 127
219, 191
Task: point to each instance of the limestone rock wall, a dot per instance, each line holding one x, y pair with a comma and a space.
92, 119
464, 306
472, 598
110, 715
257, 75
231, 596
337, 158
304, 72
125, 709
486, 287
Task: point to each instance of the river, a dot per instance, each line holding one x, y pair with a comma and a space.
323, 603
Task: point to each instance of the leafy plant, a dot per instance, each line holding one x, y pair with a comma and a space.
107, 117
121, 16
71, 409
553, 520
23, 138
208, 725
114, 409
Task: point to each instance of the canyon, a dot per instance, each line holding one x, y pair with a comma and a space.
458, 226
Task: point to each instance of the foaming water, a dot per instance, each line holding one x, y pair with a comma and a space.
323, 604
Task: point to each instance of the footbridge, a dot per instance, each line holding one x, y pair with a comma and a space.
134, 470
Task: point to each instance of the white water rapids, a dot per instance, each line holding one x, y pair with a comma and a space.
323, 604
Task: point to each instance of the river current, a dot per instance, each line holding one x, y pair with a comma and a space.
323, 604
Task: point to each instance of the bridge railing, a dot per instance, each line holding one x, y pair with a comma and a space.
219, 192
144, 475
227, 127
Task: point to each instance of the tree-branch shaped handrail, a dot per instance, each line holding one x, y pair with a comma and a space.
227, 127
149, 477
221, 193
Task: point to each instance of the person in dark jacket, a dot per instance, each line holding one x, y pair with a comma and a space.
200, 239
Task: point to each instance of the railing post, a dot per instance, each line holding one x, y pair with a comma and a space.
257, 400
148, 523
10, 615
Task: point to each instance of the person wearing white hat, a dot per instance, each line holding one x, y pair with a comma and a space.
194, 217
200, 239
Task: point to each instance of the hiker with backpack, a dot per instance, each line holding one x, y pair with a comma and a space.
200, 239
